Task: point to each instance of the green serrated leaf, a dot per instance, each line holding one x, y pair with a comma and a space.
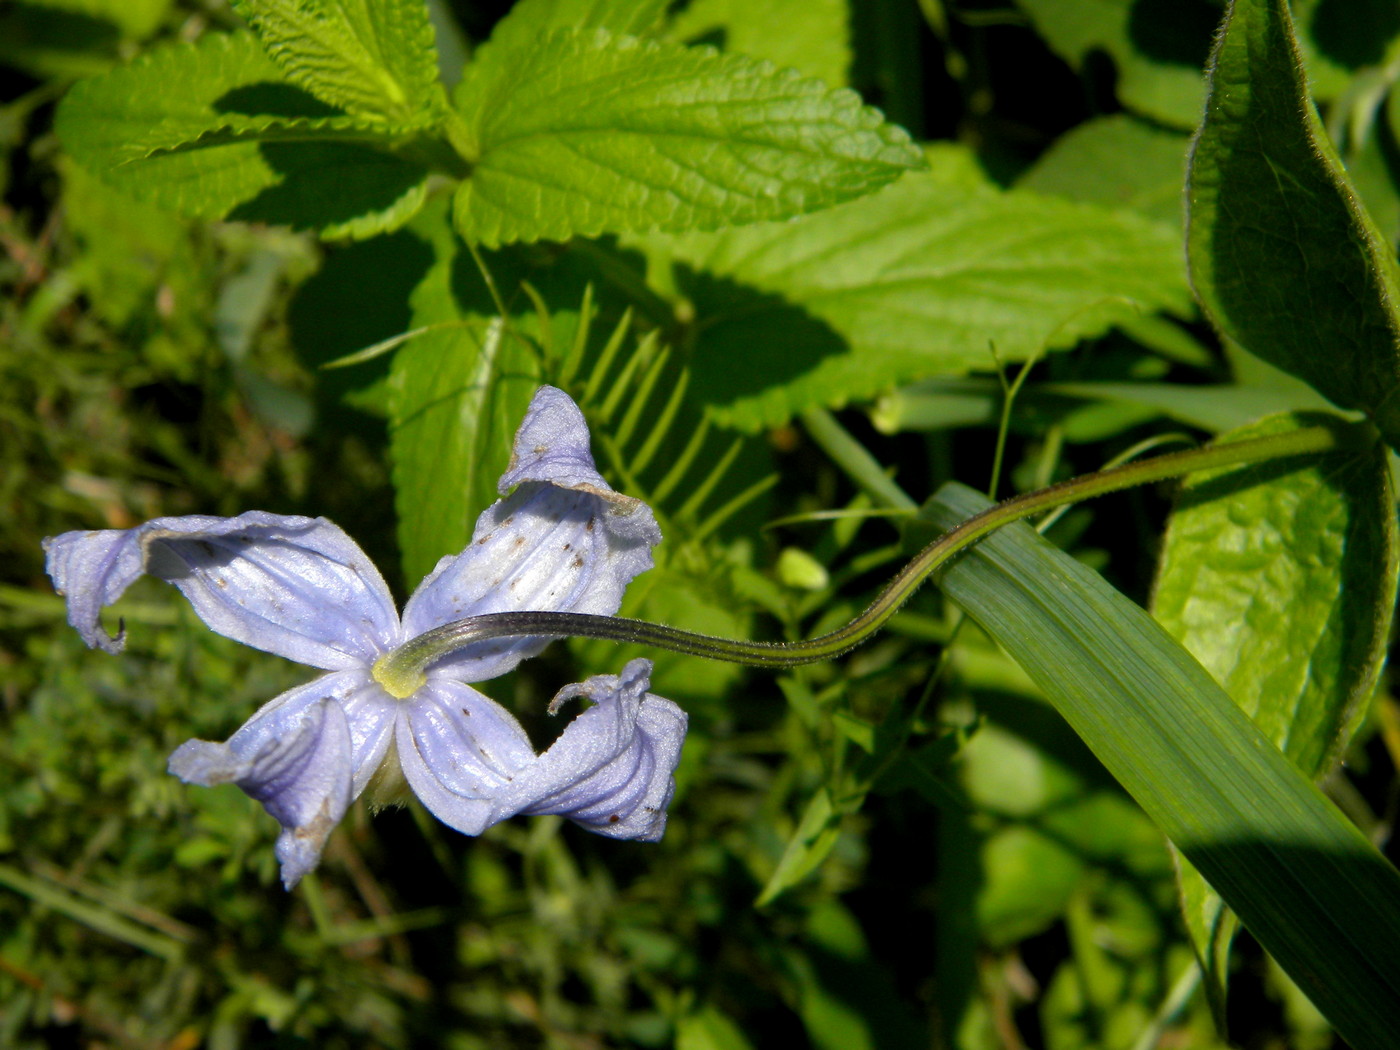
1282, 585
456, 397
528, 20
195, 128
1283, 256
376, 59
1158, 49
234, 128
585, 132
914, 281
1309, 886
811, 36
174, 93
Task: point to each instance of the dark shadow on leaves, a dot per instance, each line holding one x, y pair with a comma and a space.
750, 342
1355, 33
716, 37
360, 296
1176, 32
25, 29
868, 989
1361, 875
272, 99
324, 184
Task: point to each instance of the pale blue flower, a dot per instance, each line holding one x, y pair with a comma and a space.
300, 587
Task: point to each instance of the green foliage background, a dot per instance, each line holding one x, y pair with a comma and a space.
789, 310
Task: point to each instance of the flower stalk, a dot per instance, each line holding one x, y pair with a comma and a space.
414, 656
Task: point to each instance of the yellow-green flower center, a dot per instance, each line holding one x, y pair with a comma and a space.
398, 681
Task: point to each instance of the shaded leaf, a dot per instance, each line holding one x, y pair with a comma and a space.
915, 281
811, 842
1339, 39
1283, 256
1282, 586
585, 132
708, 1029
1313, 891
74, 38
456, 396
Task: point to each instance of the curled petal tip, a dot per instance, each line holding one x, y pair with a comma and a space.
301, 775
563, 540
612, 770
552, 445
295, 586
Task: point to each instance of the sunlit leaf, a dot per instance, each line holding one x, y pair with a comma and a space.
1116, 161
917, 280
373, 58
584, 132
811, 36
212, 129
528, 20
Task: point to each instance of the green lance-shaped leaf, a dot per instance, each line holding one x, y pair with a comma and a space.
1282, 585
914, 281
212, 129
451, 394
456, 395
584, 132
1313, 891
1283, 256
811, 843
376, 59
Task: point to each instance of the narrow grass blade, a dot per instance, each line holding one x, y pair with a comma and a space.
93, 916
1282, 585
1313, 891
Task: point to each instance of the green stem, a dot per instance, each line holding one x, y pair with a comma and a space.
410, 660
460, 138
851, 456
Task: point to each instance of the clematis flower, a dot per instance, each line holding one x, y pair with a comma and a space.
562, 540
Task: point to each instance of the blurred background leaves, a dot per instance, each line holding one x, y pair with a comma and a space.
154, 365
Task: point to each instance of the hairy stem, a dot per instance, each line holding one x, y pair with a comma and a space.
419, 652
